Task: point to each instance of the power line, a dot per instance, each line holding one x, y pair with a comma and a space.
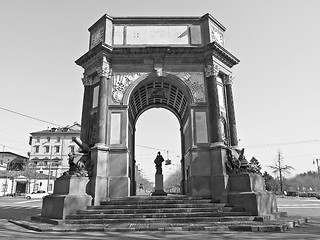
13, 147
159, 149
27, 116
281, 144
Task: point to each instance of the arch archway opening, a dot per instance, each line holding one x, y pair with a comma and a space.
168, 95
157, 130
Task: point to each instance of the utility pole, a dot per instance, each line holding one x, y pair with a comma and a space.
317, 162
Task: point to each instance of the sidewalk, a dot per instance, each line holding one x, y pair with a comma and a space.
309, 230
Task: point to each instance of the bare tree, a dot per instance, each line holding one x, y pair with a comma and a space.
281, 168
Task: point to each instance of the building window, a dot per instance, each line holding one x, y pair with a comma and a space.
38, 139
50, 187
58, 139
72, 149
48, 139
41, 171
36, 149
57, 149
47, 149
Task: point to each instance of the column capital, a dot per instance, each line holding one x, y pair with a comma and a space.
228, 80
104, 70
87, 81
212, 70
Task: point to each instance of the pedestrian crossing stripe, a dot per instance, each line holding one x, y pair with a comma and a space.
20, 207
299, 204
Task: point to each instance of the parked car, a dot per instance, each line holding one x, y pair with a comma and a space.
37, 194
291, 193
318, 196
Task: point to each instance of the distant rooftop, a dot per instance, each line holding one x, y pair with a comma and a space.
74, 128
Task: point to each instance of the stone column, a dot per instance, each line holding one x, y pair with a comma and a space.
99, 153
211, 72
85, 110
104, 73
231, 113
219, 178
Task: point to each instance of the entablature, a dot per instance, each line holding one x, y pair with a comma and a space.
129, 54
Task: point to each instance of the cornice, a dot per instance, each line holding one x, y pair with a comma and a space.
92, 53
212, 49
156, 20
102, 19
221, 53
209, 16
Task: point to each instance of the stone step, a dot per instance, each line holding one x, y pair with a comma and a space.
157, 215
159, 206
151, 210
154, 201
42, 224
167, 197
207, 220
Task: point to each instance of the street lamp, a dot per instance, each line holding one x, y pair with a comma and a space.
50, 163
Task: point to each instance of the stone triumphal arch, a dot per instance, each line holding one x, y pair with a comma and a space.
178, 63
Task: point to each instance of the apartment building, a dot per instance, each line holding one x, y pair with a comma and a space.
50, 149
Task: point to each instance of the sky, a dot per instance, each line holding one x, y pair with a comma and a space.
276, 86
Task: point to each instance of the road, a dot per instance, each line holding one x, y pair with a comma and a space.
299, 206
19, 208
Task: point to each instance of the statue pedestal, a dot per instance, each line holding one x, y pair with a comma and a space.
248, 191
158, 189
69, 195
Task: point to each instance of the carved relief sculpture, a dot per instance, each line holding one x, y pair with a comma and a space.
121, 81
195, 82
97, 37
216, 35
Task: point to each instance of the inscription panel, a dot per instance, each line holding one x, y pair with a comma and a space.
115, 128
201, 127
95, 97
221, 95
118, 35
144, 35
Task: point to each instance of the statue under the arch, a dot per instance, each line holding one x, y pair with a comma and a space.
181, 64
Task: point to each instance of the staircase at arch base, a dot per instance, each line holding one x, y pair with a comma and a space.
170, 213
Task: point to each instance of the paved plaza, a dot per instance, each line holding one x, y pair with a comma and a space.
307, 231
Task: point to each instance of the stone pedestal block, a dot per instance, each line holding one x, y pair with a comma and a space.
158, 189
119, 187
69, 195
99, 180
248, 191
219, 178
